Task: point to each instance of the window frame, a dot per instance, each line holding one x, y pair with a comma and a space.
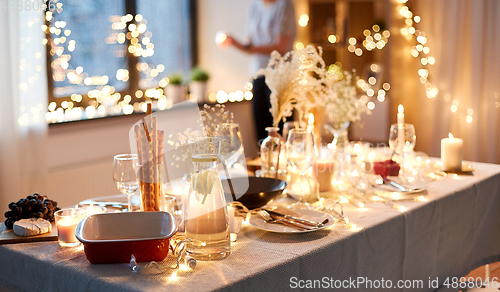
131, 61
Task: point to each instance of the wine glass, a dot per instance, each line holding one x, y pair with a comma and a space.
402, 140
287, 126
124, 175
231, 143
301, 151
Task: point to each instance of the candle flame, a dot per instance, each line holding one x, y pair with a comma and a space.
220, 37
450, 135
401, 109
311, 119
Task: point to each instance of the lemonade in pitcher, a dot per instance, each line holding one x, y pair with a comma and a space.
207, 224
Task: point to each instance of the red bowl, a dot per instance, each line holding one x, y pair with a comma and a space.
114, 237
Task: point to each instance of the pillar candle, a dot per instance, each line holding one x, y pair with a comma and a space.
323, 171
66, 229
451, 153
66, 222
230, 213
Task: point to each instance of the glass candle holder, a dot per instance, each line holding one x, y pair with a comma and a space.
170, 204
66, 222
92, 209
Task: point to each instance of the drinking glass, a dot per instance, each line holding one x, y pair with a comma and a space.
402, 140
231, 143
301, 151
124, 175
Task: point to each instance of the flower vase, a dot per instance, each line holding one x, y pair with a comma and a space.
272, 154
340, 135
338, 146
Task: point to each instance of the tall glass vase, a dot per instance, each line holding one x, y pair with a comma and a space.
207, 224
272, 154
338, 147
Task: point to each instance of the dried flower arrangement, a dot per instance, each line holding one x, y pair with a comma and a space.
210, 125
297, 81
343, 104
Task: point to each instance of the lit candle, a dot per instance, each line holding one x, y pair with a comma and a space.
310, 122
323, 171
232, 223
401, 128
401, 114
451, 153
66, 229
91, 210
66, 222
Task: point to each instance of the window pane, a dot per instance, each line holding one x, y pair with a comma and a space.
168, 30
86, 50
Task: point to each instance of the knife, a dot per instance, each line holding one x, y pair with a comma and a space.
291, 223
304, 221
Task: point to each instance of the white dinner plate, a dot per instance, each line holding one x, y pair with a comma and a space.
259, 223
417, 187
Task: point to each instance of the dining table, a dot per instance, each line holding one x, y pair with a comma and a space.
425, 246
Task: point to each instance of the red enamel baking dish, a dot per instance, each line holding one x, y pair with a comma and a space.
114, 237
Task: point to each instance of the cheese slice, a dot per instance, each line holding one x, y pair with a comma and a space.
32, 226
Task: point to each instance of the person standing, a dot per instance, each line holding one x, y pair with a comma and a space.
271, 27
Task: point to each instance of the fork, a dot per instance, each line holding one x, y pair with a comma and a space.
267, 217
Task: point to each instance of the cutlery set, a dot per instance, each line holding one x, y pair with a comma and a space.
290, 221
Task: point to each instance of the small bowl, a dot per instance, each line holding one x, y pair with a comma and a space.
261, 191
114, 237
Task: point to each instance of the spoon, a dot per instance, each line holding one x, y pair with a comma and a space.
379, 180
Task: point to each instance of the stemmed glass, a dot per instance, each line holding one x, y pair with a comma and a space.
301, 151
124, 175
287, 126
402, 140
231, 143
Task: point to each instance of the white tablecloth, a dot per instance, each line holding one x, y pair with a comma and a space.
453, 232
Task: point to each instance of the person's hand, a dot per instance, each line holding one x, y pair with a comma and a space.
228, 41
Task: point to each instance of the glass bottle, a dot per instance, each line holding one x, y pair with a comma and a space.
272, 154
207, 224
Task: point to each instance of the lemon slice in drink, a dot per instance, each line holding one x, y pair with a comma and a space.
204, 158
203, 182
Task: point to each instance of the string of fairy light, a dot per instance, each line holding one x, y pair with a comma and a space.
104, 99
376, 38
422, 51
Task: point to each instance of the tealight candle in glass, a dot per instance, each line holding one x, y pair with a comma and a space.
66, 222
91, 210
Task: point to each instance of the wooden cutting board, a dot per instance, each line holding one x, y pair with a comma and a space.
8, 236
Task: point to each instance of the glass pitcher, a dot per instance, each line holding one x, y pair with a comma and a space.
207, 224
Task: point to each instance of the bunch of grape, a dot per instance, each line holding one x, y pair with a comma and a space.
35, 206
